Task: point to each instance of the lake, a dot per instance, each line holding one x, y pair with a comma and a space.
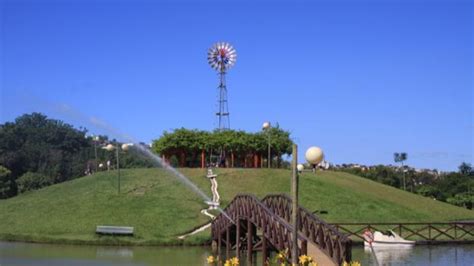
25, 254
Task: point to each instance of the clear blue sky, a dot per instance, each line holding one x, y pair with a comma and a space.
361, 79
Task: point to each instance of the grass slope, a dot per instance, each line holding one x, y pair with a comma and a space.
160, 207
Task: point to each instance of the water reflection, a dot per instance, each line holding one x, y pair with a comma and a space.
386, 255
441, 255
26, 254
14, 253
111, 252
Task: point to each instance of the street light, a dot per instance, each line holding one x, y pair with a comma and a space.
300, 168
95, 139
266, 128
295, 208
125, 147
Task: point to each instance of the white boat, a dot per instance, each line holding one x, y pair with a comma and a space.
377, 239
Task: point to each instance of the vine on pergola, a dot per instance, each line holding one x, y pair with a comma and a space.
197, 148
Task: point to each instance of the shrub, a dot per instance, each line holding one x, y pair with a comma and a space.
33, 181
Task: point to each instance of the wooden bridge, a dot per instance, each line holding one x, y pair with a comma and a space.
264, 225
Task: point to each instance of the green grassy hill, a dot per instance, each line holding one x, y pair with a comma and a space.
160, 207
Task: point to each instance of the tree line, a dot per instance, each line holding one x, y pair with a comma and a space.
36, 151
228, 148
452, 187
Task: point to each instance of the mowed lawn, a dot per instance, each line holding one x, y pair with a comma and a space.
160, 207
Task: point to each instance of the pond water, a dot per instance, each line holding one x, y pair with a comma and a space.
25, 254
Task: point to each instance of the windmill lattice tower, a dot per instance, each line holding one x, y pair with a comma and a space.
222, 56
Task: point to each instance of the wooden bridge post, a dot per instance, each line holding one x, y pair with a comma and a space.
219, 244
249, 241
304, 247
227, 243
429, 231
455, 231
264, 249
237, 238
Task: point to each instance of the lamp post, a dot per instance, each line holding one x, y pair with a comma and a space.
125, 147
294, 213
95, 139
266, 128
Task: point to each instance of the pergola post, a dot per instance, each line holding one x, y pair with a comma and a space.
227, 243
203, 159
219, 244
264, 249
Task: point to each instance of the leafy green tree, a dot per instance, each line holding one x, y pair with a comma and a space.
453, 187
7, 184
34, 143
280, 142
465, 169
465, 200
429, 191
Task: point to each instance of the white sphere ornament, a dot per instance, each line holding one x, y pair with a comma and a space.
109, 147
101, 165
300, 167
125, 147
266, 125
314, 155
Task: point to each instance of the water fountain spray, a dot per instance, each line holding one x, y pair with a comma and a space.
67, 110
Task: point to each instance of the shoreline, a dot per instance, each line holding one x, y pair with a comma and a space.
200, 242
108, 241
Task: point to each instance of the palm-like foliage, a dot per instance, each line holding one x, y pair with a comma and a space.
400, 158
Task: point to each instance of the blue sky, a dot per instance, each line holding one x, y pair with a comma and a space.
361, 79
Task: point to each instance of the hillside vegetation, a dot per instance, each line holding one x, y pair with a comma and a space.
160, 207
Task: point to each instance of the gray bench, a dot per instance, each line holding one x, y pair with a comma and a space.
114, 230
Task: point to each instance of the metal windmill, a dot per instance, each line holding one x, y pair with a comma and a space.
221, 56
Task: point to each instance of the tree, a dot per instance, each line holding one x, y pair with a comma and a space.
34, 143
401, 157
462, 199
465, 169
7, 184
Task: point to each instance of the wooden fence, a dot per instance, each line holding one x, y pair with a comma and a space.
422, 233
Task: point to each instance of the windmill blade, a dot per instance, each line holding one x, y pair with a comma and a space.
221, 56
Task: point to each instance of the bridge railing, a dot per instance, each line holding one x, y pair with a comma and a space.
335, 244
420, 232
275, 229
